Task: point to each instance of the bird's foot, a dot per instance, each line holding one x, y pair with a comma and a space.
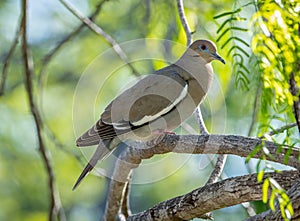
159, 135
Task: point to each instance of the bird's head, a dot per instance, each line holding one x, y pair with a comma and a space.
206, 50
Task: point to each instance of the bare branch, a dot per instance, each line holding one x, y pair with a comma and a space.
216, 173
125, 209
8, 58
203, 144
200, 121
256, 106
225, 193
203, 130
55, 203
184, 22
279, 130
116, 191
98, 30
47, 58
295, 92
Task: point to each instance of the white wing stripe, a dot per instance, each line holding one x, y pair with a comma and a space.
147, 118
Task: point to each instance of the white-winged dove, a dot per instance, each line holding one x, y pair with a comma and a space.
158, 103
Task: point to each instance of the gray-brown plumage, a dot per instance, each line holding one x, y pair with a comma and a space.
159, 102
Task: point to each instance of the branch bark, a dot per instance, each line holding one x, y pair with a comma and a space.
295, 92
8, 59
217, 171
225, 193
294, 195
55, 209
203, 144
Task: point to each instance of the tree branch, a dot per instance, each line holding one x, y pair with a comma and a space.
217, 171
294, 195
202, 127
279, 130
203, 144
125, 208
184, 22
8, 58
98, 30
211, 197
295, 92
214, 176
55, 203
256, 107
47, 58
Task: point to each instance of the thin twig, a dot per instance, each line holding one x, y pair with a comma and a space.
41, 76
55, 204
8, 58
255, 108
217, 171
98, 30
256, 105
202, 127
184, 22
279, 130
49, 133
214, 176
47, 58
188, 34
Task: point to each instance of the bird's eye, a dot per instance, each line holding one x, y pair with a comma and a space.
203, 47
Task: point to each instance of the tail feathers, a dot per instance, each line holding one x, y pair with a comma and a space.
101, 152
86, 170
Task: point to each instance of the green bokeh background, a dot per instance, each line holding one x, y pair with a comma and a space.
23, 181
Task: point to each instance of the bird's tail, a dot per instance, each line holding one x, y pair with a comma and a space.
101, 152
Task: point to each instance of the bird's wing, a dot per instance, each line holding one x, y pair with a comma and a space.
149, 99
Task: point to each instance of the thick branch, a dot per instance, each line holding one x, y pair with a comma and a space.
295, 92
294, 195
203, 144
225, 193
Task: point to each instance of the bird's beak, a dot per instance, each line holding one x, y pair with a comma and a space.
218, 57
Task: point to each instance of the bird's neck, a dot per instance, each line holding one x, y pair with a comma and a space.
194, 66
196, 69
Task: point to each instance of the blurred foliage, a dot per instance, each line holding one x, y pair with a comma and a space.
275, 43
256, 69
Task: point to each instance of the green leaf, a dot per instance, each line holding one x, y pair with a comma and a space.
260, 176
289, 208
287, 155
232, 19
234, 38
238, 48
265, 188
272, 201
227, 13
254, 152
240, 56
